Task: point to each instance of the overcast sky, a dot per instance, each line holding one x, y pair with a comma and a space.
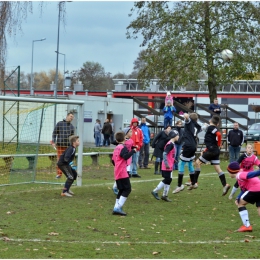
94, 31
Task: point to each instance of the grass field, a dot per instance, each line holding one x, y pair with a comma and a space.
36, 222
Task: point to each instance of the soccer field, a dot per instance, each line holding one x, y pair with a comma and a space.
36, 222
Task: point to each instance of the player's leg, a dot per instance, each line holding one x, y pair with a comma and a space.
167, 182
222, 178
180, 186
233, 191
66, 169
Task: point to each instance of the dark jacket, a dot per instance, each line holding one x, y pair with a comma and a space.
158, 144
67, 156
61, 133
191, 129
181, 132
214, 106
107, 129
235, 137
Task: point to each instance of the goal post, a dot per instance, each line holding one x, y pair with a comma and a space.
27, 124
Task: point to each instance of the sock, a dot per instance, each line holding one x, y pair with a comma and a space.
180, 178
234, 189
192, 178
166, 189
114, 185
121, 201
116, 204
196, 175
159, 186
244, 216
222, 178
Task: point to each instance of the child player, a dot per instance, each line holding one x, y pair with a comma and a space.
247, 162
191, 129
65, 164
167, 167
250, 192
129, 144
119, 159
211, 153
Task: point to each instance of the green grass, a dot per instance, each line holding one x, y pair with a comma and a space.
36, 222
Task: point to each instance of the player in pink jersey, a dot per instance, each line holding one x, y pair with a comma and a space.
167, 167
247, 162
129, 144
119, 159
250, 192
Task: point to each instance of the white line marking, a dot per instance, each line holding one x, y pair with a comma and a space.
137, 242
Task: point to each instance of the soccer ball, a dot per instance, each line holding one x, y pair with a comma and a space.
227, 55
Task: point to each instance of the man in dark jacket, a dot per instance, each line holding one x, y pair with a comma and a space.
215, 107
106, 131
60, 137
235, 140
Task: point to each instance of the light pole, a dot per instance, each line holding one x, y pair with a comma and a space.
31, 85
57, 61
64, 69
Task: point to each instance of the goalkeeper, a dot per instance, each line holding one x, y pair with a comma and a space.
65, 164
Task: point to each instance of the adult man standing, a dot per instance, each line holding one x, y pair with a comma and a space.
137, 137
106, 131
113, 130
235, 140
215, 107
60, 137
97, 132
144, 151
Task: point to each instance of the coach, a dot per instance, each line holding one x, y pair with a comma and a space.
235, 140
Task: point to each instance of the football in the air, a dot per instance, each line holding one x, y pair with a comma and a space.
227, 55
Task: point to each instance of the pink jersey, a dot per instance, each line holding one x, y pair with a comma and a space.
170, 157
252, 184
129, 144
169, 98
120, 163
248, 163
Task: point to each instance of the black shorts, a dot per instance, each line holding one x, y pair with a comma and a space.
252, 197
211, 156
167, 174
123, 184
188, 153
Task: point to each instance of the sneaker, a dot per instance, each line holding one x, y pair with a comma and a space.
58, 176
245, 229
230, 196
156, 172
115, 190
191, 187
225, 189
66, 194
155, 194
118, 211
71, 192
188, 183
165, 198
136, 176
178, 189
141, 167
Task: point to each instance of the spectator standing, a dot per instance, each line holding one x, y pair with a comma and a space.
137, 137
144, 151
106, 131
97, 132
113, 130
178, 144
158, 144
235, 140
215, 107
168, 111
60, 137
